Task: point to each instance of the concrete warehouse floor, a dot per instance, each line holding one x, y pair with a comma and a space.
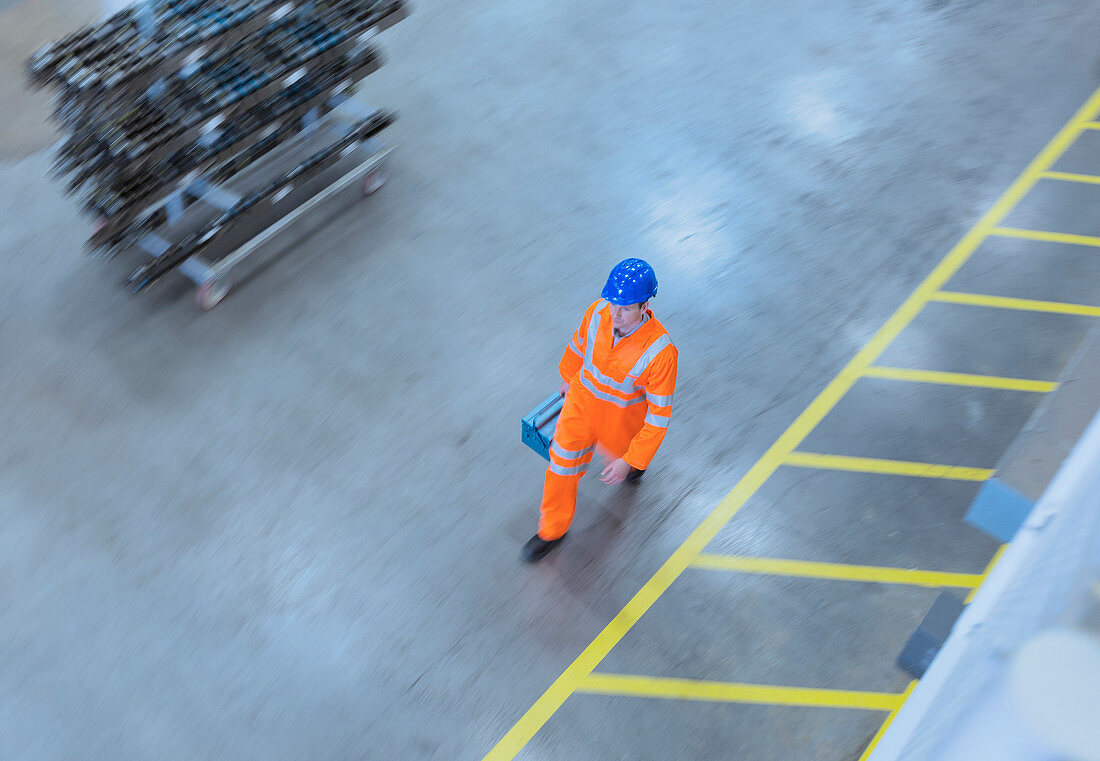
290, 528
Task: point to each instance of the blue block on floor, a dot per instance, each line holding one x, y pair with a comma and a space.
929, 637
999, 510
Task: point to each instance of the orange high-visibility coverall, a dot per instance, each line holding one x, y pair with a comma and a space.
620, 397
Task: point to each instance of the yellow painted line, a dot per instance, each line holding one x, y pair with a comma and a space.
885, 467
1091, 179
1045, 235
566, 684
960, 379
992, 564
735, 692
839, 571
886, 724
1090, 125
1005, 302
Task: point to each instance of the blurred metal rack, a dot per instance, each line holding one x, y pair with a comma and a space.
225, 226
201, 129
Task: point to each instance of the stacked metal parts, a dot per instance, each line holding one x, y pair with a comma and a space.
174, 102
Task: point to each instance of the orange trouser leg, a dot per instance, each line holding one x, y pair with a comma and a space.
571, 451
559, 502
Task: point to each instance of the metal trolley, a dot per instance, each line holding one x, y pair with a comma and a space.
196, 204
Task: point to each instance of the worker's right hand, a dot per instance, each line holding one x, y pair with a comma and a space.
563, 389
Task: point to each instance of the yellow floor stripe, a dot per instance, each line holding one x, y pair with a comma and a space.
960, 379
1046, 236
1005, 302
1090, 125
992, 563
886, 724
538, 714
734, 692
1091, 179
839, 571
886, 467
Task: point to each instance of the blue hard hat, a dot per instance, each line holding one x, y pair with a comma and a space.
632, 281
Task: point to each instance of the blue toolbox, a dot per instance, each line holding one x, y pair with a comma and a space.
539, 424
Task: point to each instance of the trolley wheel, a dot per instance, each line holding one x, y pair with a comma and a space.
211, 293
373, 182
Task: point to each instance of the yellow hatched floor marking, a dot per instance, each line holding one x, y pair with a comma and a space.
992, 564
735, 692
1045, 235
959, 379
1006, 302
1072, 177
886, 724
839, 571
885, 467
581, 668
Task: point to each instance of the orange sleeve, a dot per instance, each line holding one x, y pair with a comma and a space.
572, 360
659, 382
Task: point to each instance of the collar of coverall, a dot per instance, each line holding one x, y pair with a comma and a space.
616, 335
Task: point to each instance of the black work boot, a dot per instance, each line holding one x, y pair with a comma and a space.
537, 548
634, 476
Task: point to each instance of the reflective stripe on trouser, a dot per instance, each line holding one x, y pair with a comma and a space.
584, 421
559, 502
570, 452
570, 463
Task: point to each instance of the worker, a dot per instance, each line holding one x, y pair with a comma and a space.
618, 373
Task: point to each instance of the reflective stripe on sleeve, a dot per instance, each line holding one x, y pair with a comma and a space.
659, 401
660, 421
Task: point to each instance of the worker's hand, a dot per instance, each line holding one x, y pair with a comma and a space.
615, 472
563, 389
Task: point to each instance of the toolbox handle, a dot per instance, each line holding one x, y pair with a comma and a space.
549, 410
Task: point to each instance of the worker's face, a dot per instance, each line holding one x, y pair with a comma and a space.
623, 318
